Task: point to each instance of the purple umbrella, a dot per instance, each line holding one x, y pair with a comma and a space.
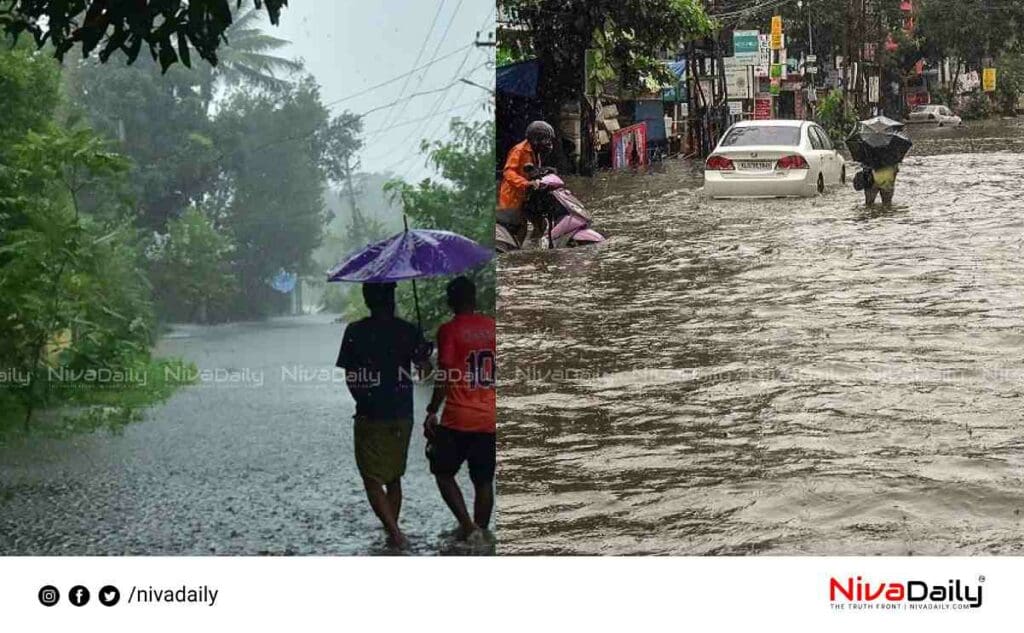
410, 255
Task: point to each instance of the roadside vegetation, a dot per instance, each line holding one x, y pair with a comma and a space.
171, 190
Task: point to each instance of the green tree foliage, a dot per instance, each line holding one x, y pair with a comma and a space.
977, 105
970, 29
279, 150
1010, 81
460, 200
70, 291
161, 123
837, 119
247, 58
192, 267
29, 89
168, 29
255, 165
634, 33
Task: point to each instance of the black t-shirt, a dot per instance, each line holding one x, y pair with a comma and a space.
377, 356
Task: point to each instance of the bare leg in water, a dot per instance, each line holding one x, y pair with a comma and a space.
386, 502
452, 495
483, 503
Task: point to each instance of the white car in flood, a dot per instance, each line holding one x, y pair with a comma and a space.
771, 159
934, 114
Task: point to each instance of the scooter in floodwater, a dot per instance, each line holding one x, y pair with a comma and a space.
568, 223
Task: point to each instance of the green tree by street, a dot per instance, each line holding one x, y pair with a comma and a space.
70, 292
460, 199
632, 34
191, 266
279, 151
158, 120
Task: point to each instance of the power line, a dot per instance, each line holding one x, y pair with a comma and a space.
456, 81
403, 145
405, 100
444, 35
410, 156
440, 99
429, 136
424, 118
398, 77
423, 47
770, 4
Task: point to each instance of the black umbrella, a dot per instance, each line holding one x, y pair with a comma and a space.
882, 124
880, 145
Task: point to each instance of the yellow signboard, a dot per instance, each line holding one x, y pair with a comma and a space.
988, 80
776, 41
777, 25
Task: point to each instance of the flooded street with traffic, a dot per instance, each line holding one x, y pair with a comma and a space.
774, 376
255, 458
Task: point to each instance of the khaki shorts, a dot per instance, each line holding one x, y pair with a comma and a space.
381, 448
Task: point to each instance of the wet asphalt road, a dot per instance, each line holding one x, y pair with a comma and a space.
248, 461
780, 377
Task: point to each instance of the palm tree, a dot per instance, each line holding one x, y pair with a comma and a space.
247, 58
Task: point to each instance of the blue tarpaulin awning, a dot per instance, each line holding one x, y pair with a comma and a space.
519, 79
678, 68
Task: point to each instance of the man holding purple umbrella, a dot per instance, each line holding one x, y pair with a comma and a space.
377, 354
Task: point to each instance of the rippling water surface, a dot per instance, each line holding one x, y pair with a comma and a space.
255, 459
783, 376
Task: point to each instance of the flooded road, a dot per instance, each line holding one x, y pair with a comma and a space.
779, 377
256, 458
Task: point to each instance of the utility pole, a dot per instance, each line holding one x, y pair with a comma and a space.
810, 33
691, 88
356, 224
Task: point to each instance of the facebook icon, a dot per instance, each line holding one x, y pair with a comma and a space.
78, 596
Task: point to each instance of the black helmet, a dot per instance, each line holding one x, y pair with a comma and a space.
540, 129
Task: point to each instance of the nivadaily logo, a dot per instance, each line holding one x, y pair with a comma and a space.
904, 594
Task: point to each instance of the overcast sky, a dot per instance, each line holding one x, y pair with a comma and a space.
350, 46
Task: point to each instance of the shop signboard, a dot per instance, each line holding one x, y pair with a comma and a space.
629, 146
746, 47
737, 79
763, 108
988, 79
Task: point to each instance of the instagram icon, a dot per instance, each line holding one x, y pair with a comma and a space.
49, 596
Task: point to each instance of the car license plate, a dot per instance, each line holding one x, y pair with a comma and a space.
756, 165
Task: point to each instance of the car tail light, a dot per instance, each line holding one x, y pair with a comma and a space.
719, 163
795, 161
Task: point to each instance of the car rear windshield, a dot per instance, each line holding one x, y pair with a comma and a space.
763, 135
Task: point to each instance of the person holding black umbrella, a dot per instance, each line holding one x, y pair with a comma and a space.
883, 181
879, 144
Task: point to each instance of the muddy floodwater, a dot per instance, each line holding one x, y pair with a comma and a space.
776, 377
255, 458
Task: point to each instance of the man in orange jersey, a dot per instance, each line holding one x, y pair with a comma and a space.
466, 430
516, 184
